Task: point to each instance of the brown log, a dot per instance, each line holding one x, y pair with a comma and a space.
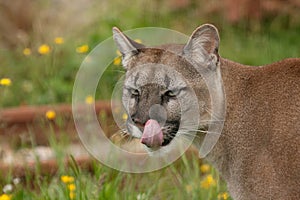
46, 167
27, 124
27, 114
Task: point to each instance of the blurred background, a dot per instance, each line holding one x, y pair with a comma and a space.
42, 43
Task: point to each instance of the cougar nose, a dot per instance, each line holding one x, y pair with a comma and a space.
158, 113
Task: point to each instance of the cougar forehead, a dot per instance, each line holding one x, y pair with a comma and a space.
169, 63
160, 55
159, 74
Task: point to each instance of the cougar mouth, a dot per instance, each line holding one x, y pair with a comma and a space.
170, 131
153, 135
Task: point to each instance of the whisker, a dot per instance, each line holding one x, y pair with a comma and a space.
184, 139
212, 114
211, 121
195, 131
188, 137
201, 131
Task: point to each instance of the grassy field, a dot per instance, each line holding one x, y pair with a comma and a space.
43, 72
187, 178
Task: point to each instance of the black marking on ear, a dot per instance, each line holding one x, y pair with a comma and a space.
216, 52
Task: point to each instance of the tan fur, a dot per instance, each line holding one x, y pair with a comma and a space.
258, 152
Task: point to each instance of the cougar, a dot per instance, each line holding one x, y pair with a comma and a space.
258, 149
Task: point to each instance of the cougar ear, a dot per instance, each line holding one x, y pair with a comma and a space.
126, 46
202, 47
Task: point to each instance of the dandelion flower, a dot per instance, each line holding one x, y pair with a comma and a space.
59, 40
207, 182
50, 114
67, 179
82, 49
27, 51
89, 99
117, 61
124, 116
204, 168
44, 49
72, 195
7, 188
72, 187
138, 41
5, 197
5, 82
223, 196
16, 181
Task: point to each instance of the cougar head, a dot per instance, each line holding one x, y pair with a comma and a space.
165, 92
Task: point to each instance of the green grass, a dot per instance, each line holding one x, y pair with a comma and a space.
259, 48
183, 179
48, 79
178, 181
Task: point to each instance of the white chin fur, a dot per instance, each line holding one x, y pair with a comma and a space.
135, 132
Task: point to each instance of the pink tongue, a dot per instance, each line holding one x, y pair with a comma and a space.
152, 135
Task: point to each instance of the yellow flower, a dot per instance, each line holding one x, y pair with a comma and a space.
44, 49
207, 182
50, 114
67, 179
27, 51
5, 82
204, 168
72, 195
138, 41
89, 99
82, 49
223, 196
5, 197
124, 116
72, 187
117, 61
59, 40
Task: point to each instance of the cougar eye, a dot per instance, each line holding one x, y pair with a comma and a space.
170, 93
134, 92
